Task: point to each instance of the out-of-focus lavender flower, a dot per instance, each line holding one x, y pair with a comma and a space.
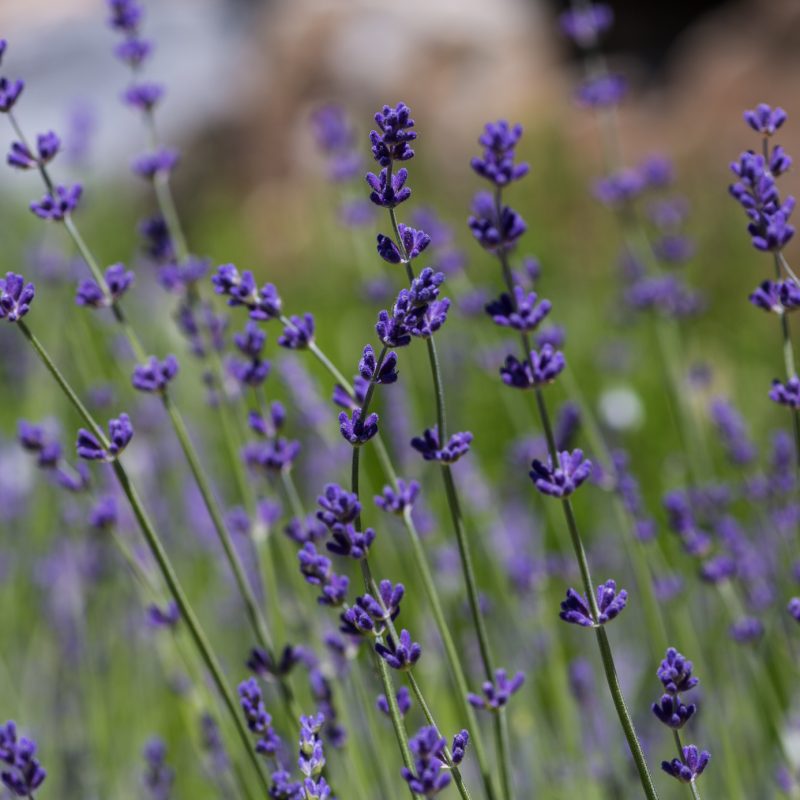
495, 234
308, 530
22, 774
143, 96
355, 430
563, 479
120, 433
601, 91
414, 243
133, 51
9, 93
104, 514
523, 313
47, 146
673, 249
430, 448
584, 25
538, 370
667, 294
264, 665
273, 455
335, 137
56, 206
786, 394
764, 119
16, 297
403, 698
496, 695
746, 630
610, 603
317, 571
154, 375
429, 777
794, 608
158, 777
118, 279
159, 162
299, 333
400, 654
689, 767
627, 487
256, 716
396, 501
620, 188
166, 617
124, 15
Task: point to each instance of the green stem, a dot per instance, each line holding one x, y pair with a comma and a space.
158, 553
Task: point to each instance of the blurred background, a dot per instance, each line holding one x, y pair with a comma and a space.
243, 79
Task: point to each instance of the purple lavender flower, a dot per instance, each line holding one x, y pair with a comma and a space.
23, 774
337, 506
154, 375
746, 630
610, 603
133, 51
118, 279
764, 119
675, 673
414, 243
347, 542
672, 712
386, 374
392, 143
299, 334
58, 205
401, 654
104, 514
539, 370
777, 296
124, 15
9, 93
619, 188
143, 96
241, 290
355, 430
396, 501
430, 448
334, 135
733, 432
794, 608
561, 480
495, 234
429, 776
120, 432
584, 25
403, 702
388, 191
273, 455
689, 767
496, 695
522, 313
786, 394
167, 617
255, 713
47, 146
601, 91
16, 297
160, 162
499, 140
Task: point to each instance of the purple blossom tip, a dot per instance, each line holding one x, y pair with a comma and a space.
58, 205
786, 394
47, 146
355, 430
9, 93
120, 433
154, 375
575, 608
689, 767
16, 297
430, 448
400, 654
391, 142
764, 119
564, 478
496, 695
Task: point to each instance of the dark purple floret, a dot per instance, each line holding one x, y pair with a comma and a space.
241, 290
459, 748
610, 603
250, 373
779, 161
401, 654
429, 776
428, 445
159, 162
144, 96
9, 93
403, 702
57, 206
522, 313
584, 25
337, 506
689, 767
299, 334
154, 375
497, 163
16, 297
496, 695
347, 542
22, 774
118, 279
47, 146
256, 716
541, 368
773, 232
284, 788
427, 319
272, 455
250, 342
120, 432
786, 394
561, 480
166, 617
764, 119
386, 373
493, 234
777, 296
388, 192
413, 242
396, 501
392, 142
601, 91
672, 712
355, 430
133, 51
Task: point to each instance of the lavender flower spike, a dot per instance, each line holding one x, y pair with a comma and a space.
561, 480
58, 204
576, 610
355, 430
675, 673
399, 654
22, 774
429, 446
428, 777
497, 694
16, 297
155, 375
689, 767
120, 432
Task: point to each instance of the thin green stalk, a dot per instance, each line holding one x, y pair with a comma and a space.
159, 554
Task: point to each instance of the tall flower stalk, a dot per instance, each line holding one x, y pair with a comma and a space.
497, 228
